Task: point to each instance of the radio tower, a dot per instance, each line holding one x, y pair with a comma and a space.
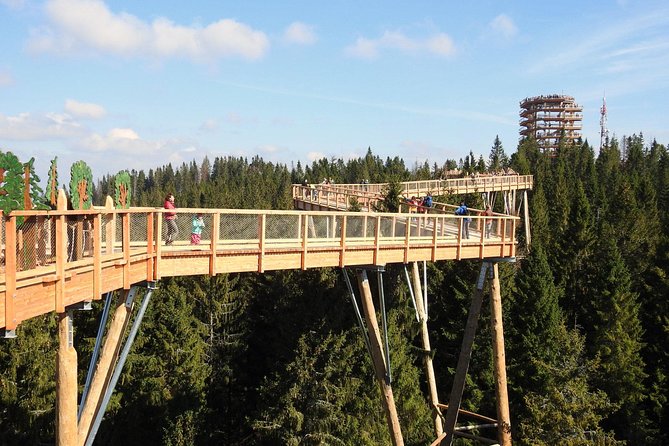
604, 132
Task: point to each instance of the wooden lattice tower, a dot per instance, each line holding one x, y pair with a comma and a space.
550, 118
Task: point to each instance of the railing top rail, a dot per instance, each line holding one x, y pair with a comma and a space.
144, 210
441, 183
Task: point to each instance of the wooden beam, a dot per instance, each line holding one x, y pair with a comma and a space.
526, 213
378, 359
499, 361
104, 367
464, 357
66, 384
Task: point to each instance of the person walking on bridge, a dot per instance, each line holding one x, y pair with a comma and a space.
462, 210
170, 220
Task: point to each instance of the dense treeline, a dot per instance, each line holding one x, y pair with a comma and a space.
278, 358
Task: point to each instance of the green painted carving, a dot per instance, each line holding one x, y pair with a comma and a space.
11, 182
81, 186
122, 190
52, 184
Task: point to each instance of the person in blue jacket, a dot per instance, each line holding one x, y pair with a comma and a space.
462, 210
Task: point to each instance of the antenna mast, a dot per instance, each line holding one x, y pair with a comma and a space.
604, 132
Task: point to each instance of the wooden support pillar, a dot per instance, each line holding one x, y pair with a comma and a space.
66, 384
429, 367
104, 367
499, 361
380, 367
465, 356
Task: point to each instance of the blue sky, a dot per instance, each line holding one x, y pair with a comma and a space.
135, 85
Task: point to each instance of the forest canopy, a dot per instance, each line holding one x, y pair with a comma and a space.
278, 358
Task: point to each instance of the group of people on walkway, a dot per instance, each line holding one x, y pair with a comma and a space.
421, 205
172, 229
462, 210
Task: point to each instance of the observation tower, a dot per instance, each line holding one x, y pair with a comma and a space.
548, 118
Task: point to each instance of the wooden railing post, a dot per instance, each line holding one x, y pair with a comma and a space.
125, 219
159, 245
61, 253
215, 233
97, 256
342, 242
10, 273
262, 222
377, 238
150, 247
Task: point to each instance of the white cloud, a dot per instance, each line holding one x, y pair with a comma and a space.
28, 126
313, 156
300, 33
84, 110
363, 49
269, 148
439, 44
89, 25
503, 25
123, 134
6, 79
210, 125
121, 141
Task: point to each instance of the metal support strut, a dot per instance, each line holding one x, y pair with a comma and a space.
121, 362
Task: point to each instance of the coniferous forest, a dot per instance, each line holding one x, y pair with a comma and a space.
278, 358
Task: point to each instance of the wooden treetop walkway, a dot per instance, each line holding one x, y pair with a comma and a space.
54, 259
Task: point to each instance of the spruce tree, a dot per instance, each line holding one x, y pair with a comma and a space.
616, 338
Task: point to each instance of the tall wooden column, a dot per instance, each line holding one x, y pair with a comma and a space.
380, 367
499, 361
429, 368
66, 383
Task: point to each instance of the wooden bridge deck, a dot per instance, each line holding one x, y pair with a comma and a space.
54, 259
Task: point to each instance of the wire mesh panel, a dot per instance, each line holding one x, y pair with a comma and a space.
324, 226
138, 229
238, 227
30, 243
355, 226
282, 226
79, 233
390, 226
